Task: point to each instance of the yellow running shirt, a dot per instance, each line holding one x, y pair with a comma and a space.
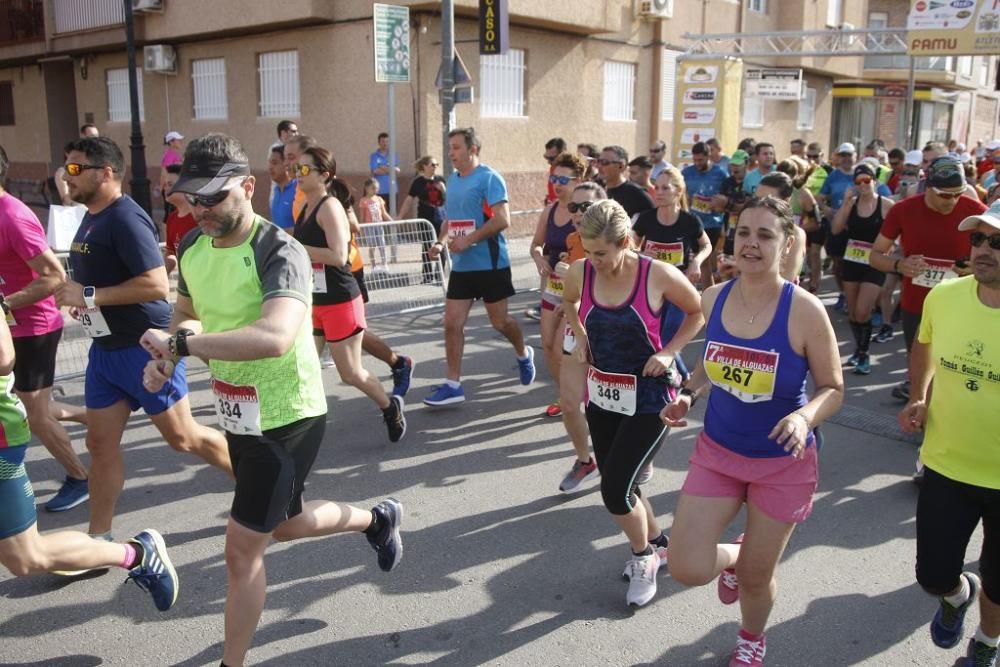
962, 440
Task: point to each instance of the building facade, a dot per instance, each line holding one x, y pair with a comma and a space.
593, 71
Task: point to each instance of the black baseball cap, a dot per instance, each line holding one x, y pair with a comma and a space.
946, 172
203, 174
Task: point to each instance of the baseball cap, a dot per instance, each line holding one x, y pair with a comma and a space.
203, 174
846, 147
171, 136
739, 157
993, 145
990, 216
946, 172
864, 168
914, 158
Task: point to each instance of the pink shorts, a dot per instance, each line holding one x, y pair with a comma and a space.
780, 487
339, 321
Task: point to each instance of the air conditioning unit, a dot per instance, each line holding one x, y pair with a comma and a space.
654, 9
160, 58
147, 5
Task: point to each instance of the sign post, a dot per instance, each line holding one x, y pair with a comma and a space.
392, 65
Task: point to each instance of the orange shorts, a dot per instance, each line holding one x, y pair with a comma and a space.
339, 321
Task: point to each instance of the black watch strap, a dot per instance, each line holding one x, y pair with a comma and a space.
180, 346
690, 394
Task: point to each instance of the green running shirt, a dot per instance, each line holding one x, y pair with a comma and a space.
228, 287
13, 418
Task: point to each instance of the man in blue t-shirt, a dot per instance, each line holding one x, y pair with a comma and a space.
283, 188
380, 167
765, 156
703, 181
478, 213
118, 291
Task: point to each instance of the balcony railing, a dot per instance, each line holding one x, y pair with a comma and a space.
21, 21
77, 15
921, 63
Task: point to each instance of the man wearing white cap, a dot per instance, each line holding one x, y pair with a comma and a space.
911, 175
958, 349
172, 154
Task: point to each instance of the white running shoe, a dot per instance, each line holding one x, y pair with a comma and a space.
642, 579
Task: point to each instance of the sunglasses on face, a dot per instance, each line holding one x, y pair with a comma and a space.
605, 163
978, 238
948, 195
655, 150
305, 169
75, 168
433, 164
550, 158
208, 201
813, 156
862, 180
582, 207
561, 180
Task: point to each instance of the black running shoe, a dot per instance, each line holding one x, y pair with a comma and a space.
386, 542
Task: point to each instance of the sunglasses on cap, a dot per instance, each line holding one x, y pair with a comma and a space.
978, 238
75, 168
947, 195
561, 180
582, 207
862, 180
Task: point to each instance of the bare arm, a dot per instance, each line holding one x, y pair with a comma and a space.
538, 242
270, 336
572, 286
409, 208
679, 291
840, 218
921, 371
6, 349
385, 211
811, 324
791, 265
51, 276
183, 316
704, 250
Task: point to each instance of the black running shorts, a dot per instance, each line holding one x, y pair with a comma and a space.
490, 286
35, 361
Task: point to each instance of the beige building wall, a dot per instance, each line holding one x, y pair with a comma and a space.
27, 141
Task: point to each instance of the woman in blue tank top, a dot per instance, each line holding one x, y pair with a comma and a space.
613, 301
764, 335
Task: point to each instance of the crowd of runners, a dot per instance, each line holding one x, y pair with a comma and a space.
635, 258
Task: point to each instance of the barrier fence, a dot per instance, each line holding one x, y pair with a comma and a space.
399, 276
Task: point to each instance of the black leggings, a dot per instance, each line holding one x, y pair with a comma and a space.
947, 514
623, 446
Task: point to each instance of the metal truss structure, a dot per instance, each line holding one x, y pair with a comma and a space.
797, 44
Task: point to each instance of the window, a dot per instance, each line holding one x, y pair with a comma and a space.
753, 111
119, 108
878, 20
209, 79
278, 77
619, 90
984, 72
965, 66
6, 103
834, 12
807, 111
757, 6
501, 79
668, 87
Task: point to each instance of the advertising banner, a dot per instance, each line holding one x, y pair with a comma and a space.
953, 27
707, 105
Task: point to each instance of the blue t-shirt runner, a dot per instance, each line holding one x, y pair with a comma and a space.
469, 199
701, 187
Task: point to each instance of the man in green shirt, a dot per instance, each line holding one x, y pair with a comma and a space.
243, 297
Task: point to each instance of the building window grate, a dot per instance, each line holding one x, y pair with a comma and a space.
619, 90
118, 99
501, 78
278, 77
209, 79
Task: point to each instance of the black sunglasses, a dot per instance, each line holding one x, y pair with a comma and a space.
208, 201
582, 207
75, 168
978, 238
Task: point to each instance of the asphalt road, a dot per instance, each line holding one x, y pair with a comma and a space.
499, 567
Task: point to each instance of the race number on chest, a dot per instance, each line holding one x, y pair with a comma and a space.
936, 271
237, 407
94, 324
744, 372
671, 253
319, 278
460, 228
859, 252
614, 392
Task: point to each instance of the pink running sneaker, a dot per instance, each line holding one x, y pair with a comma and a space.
729, 585
749, 652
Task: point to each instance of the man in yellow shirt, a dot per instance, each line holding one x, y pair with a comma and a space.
958, 346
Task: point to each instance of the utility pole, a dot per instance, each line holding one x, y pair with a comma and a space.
139, 182
447, 78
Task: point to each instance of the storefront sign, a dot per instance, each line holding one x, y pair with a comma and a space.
774, 84
494, 27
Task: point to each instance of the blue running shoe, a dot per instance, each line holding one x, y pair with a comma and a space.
155, 574
72, 493
387, 543
445, 394
946, 628
527, 366
852, 360
980, 655
401, 376
863, 366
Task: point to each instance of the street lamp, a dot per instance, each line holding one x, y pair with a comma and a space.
140, 182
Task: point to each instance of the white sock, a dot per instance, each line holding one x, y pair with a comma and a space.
962, 596
526, 354
453, 384
982, 638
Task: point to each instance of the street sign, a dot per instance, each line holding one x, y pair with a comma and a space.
494, 27
773, 84
392, 43
460, 73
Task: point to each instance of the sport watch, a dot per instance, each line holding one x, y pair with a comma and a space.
90, 296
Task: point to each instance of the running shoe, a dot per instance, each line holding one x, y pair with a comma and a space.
902, 391
533, 314
729, 585
553, 410
526, 367
661, 552
918, 475
155, 574
387, 543
578, 474
642, 579
445, 394
980, 655
841, 305
884, 334
401, 376
946, 627
645, 474
395, 420
852, 360
73, 492
326, 361
748, 653
864, 365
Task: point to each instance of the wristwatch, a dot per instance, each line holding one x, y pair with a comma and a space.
690, 394
90, 296
177, 344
